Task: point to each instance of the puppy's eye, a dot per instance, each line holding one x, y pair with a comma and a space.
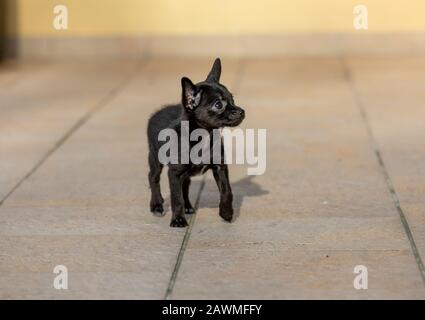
218, 105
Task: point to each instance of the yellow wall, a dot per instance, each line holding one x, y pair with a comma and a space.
194, 17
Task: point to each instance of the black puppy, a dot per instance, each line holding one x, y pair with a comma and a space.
207, 105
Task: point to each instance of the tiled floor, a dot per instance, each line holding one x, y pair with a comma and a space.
344, 184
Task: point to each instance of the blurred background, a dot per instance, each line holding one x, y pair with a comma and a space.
130, 28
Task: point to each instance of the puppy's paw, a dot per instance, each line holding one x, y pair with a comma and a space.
178, 222
189, 209
227, 215
157, 210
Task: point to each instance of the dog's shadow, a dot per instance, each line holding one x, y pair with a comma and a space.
210, 196
243, 188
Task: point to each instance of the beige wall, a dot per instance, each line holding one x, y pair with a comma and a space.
216, 17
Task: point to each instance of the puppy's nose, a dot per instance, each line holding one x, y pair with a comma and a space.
239, 112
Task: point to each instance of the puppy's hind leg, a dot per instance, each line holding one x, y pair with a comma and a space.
154, 177
188, 208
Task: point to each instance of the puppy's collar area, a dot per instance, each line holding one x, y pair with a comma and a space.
194, 122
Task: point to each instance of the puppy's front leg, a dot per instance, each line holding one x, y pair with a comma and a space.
221, 176
177, 203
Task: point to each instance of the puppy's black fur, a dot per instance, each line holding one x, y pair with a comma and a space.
208, 105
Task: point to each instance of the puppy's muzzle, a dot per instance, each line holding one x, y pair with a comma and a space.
236, 116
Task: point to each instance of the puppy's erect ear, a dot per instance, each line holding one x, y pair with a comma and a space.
215, 73
191, 95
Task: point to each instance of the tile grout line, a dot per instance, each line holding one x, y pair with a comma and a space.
238, 79
183, 246
83, 120
360, 105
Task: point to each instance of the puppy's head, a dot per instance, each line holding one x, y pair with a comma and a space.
209, 103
